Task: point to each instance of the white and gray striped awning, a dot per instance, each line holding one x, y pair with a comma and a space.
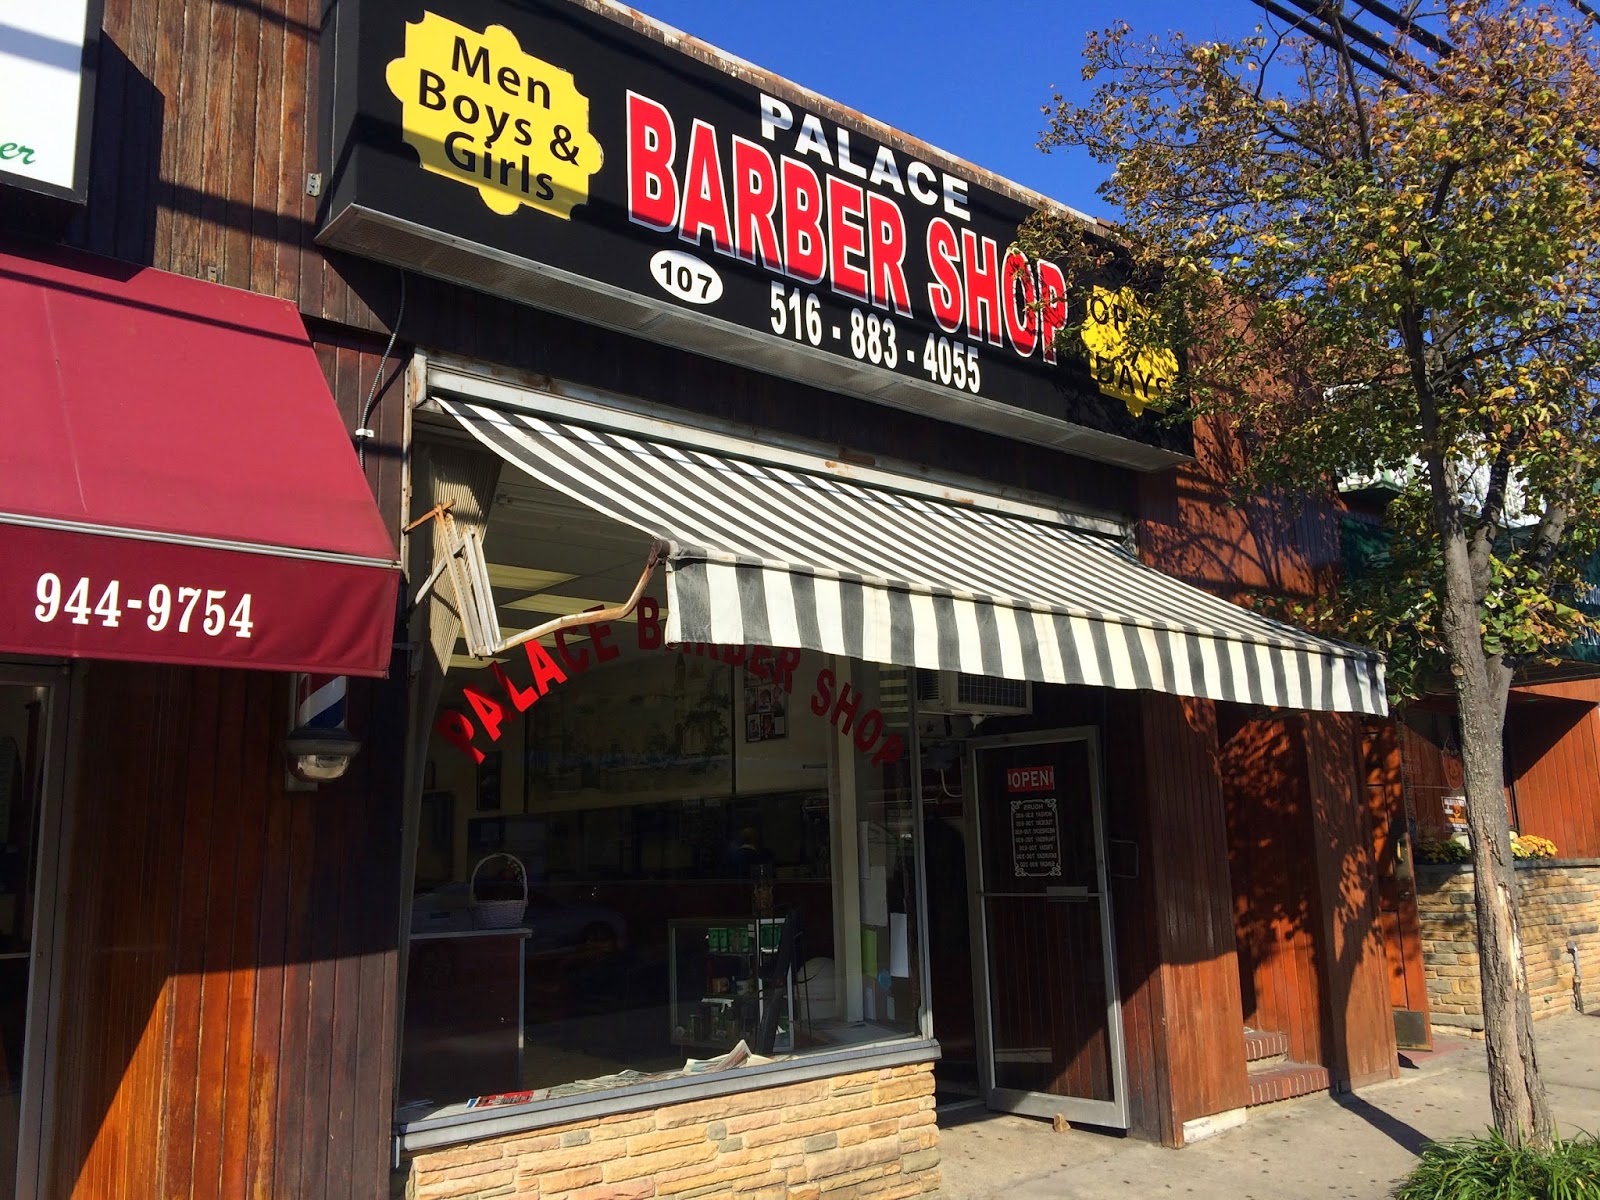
762, 554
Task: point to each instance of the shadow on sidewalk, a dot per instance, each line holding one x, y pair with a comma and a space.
1397, 1131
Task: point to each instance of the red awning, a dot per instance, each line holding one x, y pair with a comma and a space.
175, 482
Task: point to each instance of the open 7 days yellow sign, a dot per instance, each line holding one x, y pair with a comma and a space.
1136, 377
478, 110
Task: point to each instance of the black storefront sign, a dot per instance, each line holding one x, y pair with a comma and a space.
548, 153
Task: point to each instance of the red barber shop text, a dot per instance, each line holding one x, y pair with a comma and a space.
839, 703
808, 206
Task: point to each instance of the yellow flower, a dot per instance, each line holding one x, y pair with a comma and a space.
1531, 846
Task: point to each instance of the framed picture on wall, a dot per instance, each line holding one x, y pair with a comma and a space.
766, 715
489, 773
436, 845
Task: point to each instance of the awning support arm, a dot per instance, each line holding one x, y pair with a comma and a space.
438, 567
468, 572
615, 613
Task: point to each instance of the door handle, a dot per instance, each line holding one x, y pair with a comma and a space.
1070, 892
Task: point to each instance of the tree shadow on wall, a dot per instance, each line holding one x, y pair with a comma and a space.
1310, 836
1198, 529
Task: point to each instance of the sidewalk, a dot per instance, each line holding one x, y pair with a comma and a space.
1354, 1148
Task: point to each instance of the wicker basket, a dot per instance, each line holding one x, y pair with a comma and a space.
498, 914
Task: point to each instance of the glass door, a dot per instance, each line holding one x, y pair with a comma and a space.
1051, 1027
31, 736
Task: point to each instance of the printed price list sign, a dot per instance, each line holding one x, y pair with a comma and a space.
1035, 837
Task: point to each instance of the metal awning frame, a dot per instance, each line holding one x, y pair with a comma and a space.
467, 570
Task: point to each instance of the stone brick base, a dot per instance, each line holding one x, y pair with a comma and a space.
870, 1134
1557, 902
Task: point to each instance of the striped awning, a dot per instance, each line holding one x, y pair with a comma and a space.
762, 554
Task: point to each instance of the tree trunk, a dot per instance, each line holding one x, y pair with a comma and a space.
1516, 1090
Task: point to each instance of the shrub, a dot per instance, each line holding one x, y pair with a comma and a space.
1442, 850
1489, 1168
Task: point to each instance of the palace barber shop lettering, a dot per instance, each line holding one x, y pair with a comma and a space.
839, 703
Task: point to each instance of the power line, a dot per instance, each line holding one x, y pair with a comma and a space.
1307, 22
1404, 26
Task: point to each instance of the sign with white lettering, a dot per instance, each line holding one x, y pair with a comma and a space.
47, 71
1035, 838
1031, 779
86, 595
568, 159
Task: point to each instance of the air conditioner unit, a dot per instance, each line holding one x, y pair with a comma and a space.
955, 692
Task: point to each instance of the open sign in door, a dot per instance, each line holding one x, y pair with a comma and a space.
1051, 1028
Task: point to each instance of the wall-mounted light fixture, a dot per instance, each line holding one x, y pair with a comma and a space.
318, 755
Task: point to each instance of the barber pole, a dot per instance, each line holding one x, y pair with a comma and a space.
319, 746
320, 701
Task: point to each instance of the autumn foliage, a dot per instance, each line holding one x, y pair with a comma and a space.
1387, 262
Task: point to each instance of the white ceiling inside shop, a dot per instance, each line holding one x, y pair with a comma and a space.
549, 555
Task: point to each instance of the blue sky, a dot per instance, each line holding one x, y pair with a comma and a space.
967, 77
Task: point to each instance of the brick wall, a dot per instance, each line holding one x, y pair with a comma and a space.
1557, 901
870, 1134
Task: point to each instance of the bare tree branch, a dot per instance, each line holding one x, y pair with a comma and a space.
1490, 518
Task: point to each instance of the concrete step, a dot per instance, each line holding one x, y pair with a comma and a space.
1285, 1081
1262, 1045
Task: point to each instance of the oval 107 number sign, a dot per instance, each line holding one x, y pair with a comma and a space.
688, 278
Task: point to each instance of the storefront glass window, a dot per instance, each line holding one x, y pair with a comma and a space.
718, 850
886, 845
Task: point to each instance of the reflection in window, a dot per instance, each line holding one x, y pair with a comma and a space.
709, 858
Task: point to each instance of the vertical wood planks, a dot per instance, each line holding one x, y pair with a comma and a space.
352, 362
214, 1032
1355, 965
1553, 748
1129, 817
165, 75
1193, 527
1398, 921
267, 163
1203, 1021
1277, 911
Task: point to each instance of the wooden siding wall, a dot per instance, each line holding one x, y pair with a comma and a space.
1397, 916
1554, 747
1134, 898
353, 363
1277, 912
228, 972
1362, 1046
206, 128
1552, 764
1193, 527
1430, 760
1310, 943
1201, 1013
